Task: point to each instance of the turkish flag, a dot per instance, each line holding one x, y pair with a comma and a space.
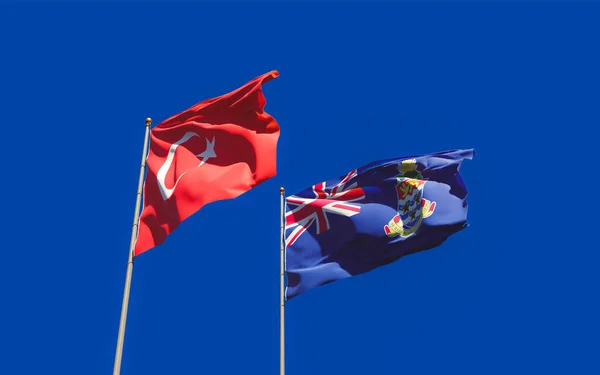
217, 149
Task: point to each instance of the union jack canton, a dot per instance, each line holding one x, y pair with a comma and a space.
324, 201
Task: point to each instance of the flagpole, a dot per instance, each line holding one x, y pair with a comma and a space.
281, 286
134, 230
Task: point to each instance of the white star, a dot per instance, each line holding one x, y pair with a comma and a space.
209, 152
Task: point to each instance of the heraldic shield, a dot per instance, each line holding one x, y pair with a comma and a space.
412, 207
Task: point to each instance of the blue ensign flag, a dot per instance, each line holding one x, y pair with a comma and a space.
372, 216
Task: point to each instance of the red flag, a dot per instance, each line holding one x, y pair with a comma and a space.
217, 149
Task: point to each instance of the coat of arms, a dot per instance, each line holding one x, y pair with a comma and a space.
412, 207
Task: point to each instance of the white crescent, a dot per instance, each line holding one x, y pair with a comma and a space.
162, 172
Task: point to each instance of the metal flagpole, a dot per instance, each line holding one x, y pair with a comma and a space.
281, 286
134, 229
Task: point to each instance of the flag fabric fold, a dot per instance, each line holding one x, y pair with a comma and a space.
372, 216
215, 150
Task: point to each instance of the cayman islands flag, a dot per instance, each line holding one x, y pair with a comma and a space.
372, 216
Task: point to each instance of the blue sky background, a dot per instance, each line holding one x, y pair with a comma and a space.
515, 293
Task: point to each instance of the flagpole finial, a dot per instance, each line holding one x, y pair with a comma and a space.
148, 121
281, 190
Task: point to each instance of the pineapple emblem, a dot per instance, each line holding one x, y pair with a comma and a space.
412, 207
